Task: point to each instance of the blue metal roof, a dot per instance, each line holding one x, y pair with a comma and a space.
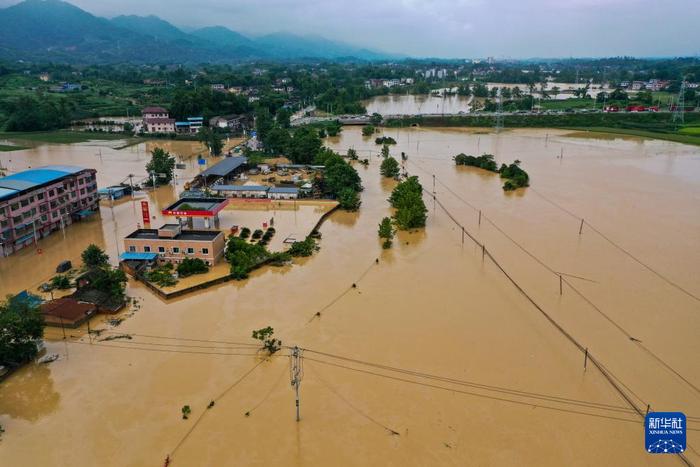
284, 189
133, 256
240, 188
6, 192
39, 176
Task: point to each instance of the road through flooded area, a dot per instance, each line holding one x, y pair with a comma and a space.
423, 354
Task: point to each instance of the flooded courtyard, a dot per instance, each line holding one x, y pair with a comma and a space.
424, 354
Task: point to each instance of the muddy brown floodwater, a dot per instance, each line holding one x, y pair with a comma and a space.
411, 104
516, 391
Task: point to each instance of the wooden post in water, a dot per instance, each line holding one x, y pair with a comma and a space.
479, 217
483, 251
433, 183
580, 229
585, 359
648, 409
462, 235
560, 285
63, 328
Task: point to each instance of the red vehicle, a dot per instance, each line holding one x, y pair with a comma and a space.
611, 108
636, 108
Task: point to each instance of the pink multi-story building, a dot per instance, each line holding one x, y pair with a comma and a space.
39, 201
157, 120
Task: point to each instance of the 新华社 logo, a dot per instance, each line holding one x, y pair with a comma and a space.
665, 432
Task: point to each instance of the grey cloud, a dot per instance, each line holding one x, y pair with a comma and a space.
449, 28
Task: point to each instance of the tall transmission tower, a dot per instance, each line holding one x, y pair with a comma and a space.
678, 116
499, 111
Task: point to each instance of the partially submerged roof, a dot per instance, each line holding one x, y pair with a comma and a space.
134, 256
36, 177
68, 309
284, 189
225, 167
240, 188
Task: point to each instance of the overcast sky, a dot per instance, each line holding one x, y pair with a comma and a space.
449, 28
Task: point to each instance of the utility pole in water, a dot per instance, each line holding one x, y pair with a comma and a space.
296, 370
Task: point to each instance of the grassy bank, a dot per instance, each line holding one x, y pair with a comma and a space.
8, 148
61, 136
675, 137
650, 125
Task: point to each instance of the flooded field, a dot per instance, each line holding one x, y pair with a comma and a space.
417, 104
512, 390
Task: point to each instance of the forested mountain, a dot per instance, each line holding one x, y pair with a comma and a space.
54, 30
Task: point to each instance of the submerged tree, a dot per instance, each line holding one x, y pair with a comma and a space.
212, 140
389, 167
386, 232
385, 151
407, 198
266, 336
21, 325
162, 164
94, 257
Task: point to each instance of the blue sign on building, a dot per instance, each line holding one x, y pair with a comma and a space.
253, 133
665, 432
201, 161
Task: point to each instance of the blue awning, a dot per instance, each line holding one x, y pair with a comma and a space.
134, 256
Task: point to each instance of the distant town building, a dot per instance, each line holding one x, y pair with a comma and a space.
218, 87
37, 202
45, 77
171, 243
191, 126
66, 87
154, 82
231, 122
157, 120
638, 85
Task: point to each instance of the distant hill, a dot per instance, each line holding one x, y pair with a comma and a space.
152, 26
223, 37
58, 31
